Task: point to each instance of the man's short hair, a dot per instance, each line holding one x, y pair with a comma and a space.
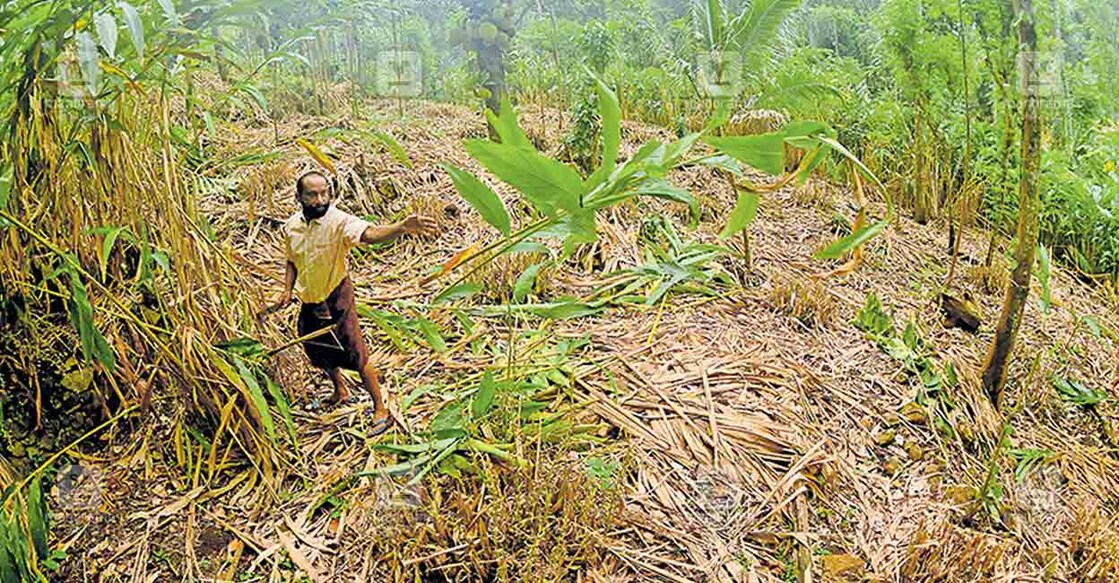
302, 177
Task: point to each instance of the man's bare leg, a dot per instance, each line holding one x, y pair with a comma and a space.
369, 379
341, 393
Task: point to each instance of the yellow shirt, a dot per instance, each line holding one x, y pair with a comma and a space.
318, 249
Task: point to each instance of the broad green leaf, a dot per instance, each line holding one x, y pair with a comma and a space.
431, 335
1043, 276
580, 229
107, 249
277, 393
480, 197
766, 152
565, 310
135, 26
37, 521
389, 323
449, 417
660, 188
258, 97
5, 185
257, 397
850, 242
242, 346
835, 145
547, 184
169, 12
483, 399
94, 346
106, 27
506, 127
611, 114
87, 62
1093, 325
458, 292
211, 131
795, 129
525, 281
395, 149
745, 210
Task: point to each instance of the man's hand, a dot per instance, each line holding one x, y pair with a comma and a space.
281, 303
283, 300
415, 224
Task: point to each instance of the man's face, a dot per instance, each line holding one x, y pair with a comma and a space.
315, 197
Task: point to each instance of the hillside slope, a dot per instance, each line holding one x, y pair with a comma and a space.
750, 434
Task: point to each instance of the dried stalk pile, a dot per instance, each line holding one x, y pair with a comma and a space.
701, 438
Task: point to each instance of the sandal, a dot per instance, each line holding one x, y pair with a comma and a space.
379, 426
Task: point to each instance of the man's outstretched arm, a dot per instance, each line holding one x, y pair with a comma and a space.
412, 224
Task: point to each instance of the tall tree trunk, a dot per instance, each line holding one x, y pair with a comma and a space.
1029, 203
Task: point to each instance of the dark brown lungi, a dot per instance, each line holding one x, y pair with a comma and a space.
343, 346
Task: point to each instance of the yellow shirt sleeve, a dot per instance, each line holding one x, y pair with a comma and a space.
352, 230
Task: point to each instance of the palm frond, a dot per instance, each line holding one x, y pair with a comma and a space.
757, 27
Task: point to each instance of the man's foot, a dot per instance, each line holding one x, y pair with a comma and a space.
379, 422
339, 400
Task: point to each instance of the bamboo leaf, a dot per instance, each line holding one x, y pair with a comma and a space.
483, 399
106, 27
480, 197
766, 152
135, 26
745, 210
850, 242
317, 154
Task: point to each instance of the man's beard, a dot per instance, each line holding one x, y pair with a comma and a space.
314, 212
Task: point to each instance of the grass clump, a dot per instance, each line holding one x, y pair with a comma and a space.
807, 301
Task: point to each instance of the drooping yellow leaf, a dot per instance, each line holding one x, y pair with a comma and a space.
317, 154
452, 262
115, 70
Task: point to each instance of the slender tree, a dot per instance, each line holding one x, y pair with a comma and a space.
1029, 203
